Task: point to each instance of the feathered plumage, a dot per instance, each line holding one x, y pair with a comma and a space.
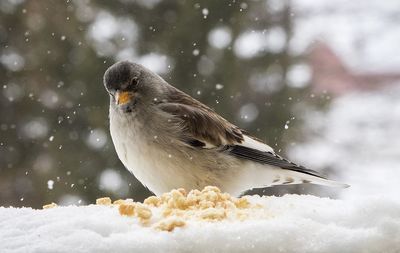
193, 145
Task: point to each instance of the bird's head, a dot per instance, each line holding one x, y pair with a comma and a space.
131, 85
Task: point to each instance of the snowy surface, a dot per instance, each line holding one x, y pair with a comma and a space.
293, 224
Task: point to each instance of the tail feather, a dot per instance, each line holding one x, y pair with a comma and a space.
301, 178
276, 169
260, 176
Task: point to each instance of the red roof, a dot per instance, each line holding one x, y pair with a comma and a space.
330, 74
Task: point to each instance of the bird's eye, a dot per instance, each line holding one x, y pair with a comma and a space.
134, 82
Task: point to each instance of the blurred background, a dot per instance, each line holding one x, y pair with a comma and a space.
317, 80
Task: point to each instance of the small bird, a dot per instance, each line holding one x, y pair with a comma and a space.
169, 140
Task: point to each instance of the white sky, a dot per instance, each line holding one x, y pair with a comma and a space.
366, 33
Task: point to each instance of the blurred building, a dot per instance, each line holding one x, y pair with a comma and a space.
330, 73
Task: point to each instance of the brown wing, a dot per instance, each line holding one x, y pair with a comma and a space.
200, 123
269, 158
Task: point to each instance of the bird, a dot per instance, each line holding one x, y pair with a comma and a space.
169, 140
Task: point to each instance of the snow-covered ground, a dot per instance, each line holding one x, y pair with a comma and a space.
292, 223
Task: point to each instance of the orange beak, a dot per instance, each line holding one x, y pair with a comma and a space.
123, 97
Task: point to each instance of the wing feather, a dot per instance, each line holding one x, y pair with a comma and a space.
203, 128
268, 158
199, 122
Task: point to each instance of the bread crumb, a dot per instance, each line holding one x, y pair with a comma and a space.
169, 224
173, 209
119, 202
211, 188
213, 214
183, 191
259, 206
204, 204
106, 201
153, 201
166, 212
177, 200
127, 209
143, 211
51, 205
242, 215
242, 203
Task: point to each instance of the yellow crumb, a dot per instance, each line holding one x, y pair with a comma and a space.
106, 201
119, 202
211, 189
166, 212
173, 209
169, 224
126, 209
259, 206
51, 205
183, 191
204, 204
152, 201
242, 203
241, 215
177, 200
143, 211
213, 214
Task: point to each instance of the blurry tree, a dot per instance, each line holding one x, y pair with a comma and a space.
54, 141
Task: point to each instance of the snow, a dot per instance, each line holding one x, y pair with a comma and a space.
254, 43
358, 137
12, 61
36, 128
220, 37
111, 181
363, 32
294, 223
299, 75
248, 112
155, 62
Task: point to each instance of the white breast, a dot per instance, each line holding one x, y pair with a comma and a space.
153, 167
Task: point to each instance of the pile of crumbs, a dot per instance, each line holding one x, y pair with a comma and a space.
177, 207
